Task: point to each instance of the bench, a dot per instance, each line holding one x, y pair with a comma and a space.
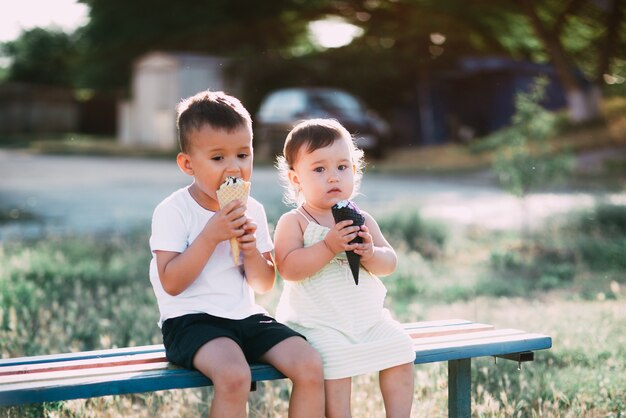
143, 369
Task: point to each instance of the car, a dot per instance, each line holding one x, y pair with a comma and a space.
282, 109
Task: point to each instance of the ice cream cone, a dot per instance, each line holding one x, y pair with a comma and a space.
342, 211
233, 188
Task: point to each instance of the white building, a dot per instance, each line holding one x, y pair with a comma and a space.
160, 80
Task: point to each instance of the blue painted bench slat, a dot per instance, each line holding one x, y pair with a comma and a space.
145, 369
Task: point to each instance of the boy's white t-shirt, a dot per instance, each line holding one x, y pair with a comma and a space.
220, 289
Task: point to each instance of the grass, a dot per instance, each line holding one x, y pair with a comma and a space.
89, 292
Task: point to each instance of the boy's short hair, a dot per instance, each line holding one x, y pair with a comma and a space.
311, 135
214, 108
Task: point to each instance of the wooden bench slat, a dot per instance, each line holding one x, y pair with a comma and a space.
473, 336
93, 371
437, 323
83, 364
457, 329
109, 352
117, 384
456, 350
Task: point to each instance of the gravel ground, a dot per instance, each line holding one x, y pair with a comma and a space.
88, 194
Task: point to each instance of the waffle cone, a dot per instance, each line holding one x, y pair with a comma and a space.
352, 212
226, 194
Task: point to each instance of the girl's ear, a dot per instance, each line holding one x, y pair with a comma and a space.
353, 168
184, 163
294, 180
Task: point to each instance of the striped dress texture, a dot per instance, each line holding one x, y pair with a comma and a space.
346, 323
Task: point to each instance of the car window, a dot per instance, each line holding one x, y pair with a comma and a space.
282, 106
336, 102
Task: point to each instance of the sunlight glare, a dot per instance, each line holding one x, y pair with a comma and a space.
437, 38
333, 32
16, 16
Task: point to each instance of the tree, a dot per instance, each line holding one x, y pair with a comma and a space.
582, 39
606, 35
41, 56
405, 43
119, 31
523, 158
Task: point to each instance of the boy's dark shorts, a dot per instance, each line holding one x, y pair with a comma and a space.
184, 335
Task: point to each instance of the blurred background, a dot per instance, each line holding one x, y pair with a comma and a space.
495, 137
435, 71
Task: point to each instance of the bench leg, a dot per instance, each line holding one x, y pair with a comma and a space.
459, 388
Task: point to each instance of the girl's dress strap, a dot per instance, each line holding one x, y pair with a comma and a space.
303, 215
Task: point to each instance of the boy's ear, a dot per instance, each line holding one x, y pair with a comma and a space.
184, 163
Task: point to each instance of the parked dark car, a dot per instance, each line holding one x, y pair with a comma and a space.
281, 109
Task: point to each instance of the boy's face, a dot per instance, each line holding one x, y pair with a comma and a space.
214, 155
325, 175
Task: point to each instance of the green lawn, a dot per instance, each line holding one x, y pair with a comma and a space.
89, 292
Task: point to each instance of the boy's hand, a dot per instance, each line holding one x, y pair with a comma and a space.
366, 248
227, 222
247, 242
339, 237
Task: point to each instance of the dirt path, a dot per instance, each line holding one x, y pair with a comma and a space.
84, 194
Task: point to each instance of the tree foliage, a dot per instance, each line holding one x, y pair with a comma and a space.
41, 56
523, 158
404, 42
119, 31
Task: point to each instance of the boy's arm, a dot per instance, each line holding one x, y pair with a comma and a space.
259, 267
377, 255
178, 270
260, 271
294, 261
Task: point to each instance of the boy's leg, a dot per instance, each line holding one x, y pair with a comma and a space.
338, 397
222, 361
396, 385
297, 360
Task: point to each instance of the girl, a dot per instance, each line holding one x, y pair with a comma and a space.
346, 323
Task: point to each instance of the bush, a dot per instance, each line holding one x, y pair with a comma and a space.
409, 230
517, 272
523, 159
604, 220
75, 293
601, 242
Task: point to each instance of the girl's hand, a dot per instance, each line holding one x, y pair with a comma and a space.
247, 242
339, 237
366, 248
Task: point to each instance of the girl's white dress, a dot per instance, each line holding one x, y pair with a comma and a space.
346, 323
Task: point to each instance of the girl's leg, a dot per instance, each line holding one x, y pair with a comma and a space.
338, 394
296, 359
222, 361
396, 385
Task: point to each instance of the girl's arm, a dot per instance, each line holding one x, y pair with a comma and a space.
294, 262
377, 255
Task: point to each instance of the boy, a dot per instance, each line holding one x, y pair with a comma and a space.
209, 319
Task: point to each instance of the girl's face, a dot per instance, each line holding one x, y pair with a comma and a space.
324, 176
214, 155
